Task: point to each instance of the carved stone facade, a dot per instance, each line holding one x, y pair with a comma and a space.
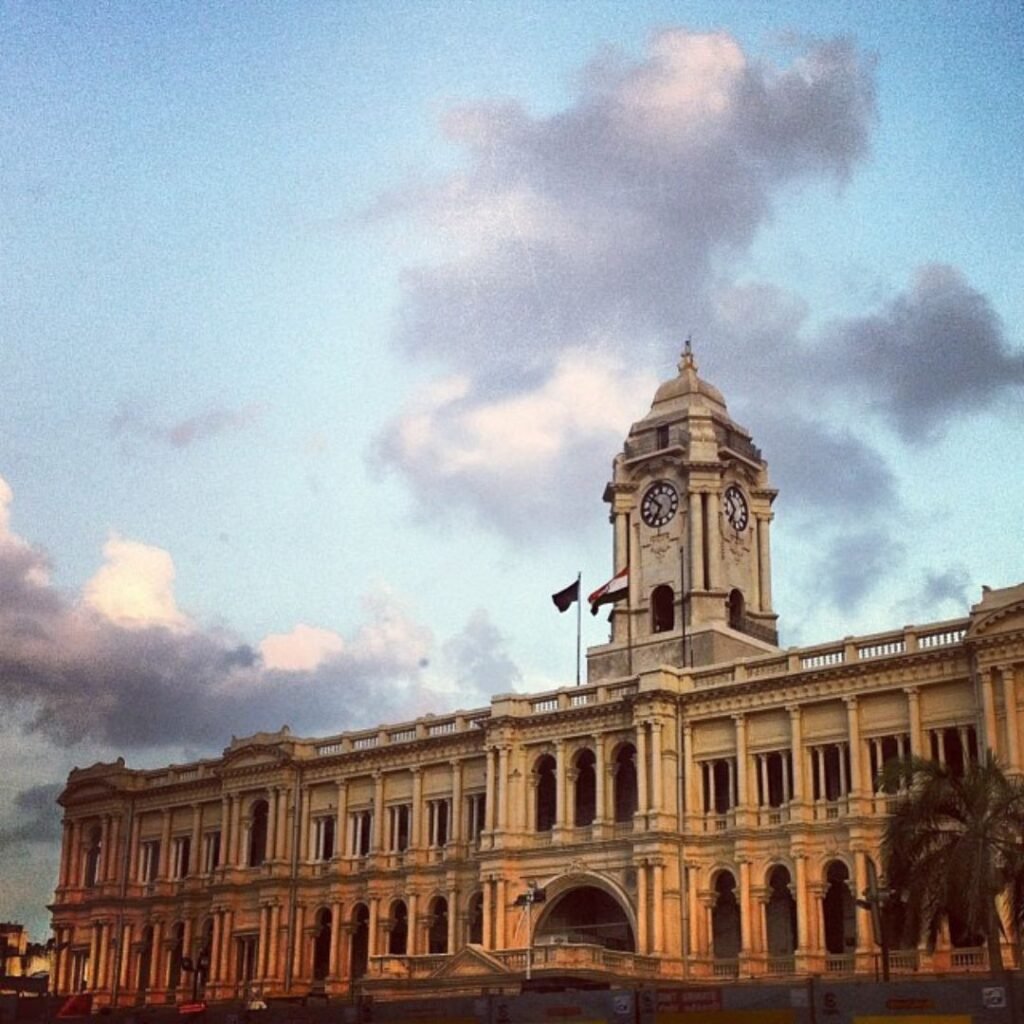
684, 815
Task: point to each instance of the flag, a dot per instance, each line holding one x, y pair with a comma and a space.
614, 590
564, 599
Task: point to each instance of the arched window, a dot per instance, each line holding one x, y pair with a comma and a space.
92, 857
399, 934
437, 937
663, 609
476, 918
839, 910
547, 797
322, 945
736, 609
625, 782
360, 950
725, 919
258, 834
586, 788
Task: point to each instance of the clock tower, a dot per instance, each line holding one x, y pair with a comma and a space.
691, 509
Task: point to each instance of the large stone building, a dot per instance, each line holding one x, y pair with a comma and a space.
702, 808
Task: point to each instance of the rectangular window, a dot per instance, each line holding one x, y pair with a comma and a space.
360, 832
398, 831
323, 837
181, 849
211, 851
663, 437
476, 814
149, 860
437, 822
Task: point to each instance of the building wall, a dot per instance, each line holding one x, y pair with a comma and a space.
754, 785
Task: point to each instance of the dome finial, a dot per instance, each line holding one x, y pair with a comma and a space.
687, 362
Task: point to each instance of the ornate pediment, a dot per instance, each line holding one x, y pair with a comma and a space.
470, 962
998, 612
254, 756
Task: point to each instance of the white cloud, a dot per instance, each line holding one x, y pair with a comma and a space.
135, 586
302, 650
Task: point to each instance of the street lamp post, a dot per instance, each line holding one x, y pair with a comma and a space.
526, 900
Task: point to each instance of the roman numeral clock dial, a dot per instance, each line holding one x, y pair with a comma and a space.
735, 507
659, 504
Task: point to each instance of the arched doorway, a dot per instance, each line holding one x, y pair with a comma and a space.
586, 915
322, 945
839, 910
359, 957
736, 609
725, 919
586, 788
437, 936
398, 937
625, 782
780, 914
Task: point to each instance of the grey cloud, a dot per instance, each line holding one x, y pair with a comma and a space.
822, 469
930, 353
82, 677
605, 220
479, 659
36, 817
211, 422
856, 563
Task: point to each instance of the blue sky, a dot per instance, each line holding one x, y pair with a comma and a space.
320, 326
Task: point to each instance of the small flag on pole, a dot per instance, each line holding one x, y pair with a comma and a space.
565, 599
614, 590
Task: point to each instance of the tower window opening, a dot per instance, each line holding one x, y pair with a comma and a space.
736, 609
663, 436
625, 783
586, 789
258, 833
663, 609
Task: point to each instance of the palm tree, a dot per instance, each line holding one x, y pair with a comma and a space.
953, 844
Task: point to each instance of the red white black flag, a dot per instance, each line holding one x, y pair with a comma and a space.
614, 590
566, 598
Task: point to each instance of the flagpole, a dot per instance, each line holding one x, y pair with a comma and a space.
579, 627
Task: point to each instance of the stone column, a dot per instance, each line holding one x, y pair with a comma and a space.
691, 800
642, 801
157, 977
263, 944
746, 909
216, 942
412, 942
500, 901
856, 770
658, 901
340, 846
803, 911
742, 788
914, 713
501, 822
491, 773
863, 916
600, 792
376, 843
714, 527
764, 562
273, 797
693, 910
642, 922
488, 893
458, 811
305, 803
696, 542
416, 811
657, 781
226, 940
990, 739
333, 960
238, 844
164, 870
560, 787
1013, 761
796, 740
225, 831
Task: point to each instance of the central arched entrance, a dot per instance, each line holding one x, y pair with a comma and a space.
586, 914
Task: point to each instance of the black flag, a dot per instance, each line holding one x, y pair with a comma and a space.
564, 599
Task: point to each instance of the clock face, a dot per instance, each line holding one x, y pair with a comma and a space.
735, 507
659, 503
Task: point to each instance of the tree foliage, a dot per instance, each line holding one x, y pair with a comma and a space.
954, 844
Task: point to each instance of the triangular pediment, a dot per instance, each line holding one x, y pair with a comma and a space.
83, 792
471, 961
253, 757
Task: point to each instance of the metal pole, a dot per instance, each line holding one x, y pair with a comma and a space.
529, 932
579, 612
